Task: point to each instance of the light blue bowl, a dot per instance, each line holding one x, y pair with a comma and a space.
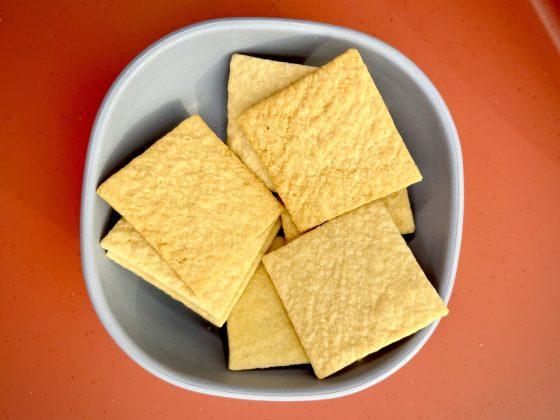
186, 73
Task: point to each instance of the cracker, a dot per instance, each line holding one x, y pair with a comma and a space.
329, 143
277, 243
250, 81
397, 205
195, 202
351, 287
260, 334
186, 299
290, 230
128, 248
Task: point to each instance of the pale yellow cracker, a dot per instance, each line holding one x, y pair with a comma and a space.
290, 230
260, 334
397, 205
195, 202
329, 143
128, 248
351, 287
186, 299
250, 81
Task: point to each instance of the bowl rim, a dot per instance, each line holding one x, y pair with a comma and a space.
93, 285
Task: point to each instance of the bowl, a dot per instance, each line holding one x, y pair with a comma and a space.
186, 73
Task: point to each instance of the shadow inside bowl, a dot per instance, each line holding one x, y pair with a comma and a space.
146, 131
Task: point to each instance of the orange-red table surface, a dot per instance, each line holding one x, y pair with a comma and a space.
498, 68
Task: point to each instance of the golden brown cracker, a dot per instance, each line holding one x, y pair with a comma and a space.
397, 205
251, 80
351, 287
186, 299
194, 201
329, 142
260, 334
128, 248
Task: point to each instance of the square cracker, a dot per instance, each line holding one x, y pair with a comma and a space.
194, 201
127, 247
351, 287
260, 334
397, 205
251, 80
329, 143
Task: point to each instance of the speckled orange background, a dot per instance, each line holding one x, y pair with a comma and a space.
494, 62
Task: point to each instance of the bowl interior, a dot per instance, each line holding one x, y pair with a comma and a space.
186, 74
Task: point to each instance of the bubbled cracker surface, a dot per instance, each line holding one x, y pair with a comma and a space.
329, 143
128, 248
398, 206
250, 81
194, 201
260, 334
351, 287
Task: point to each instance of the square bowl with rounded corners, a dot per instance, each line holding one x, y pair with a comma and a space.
186, 73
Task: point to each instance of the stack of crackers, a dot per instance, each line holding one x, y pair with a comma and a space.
316, 149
